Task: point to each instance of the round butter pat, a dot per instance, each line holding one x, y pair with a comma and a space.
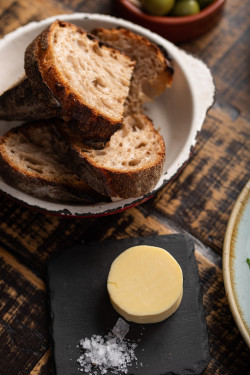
145, 284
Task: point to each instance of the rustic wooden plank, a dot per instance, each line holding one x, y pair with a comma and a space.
225, 50
44, 366
200, 200
89, 6
233, 84
212, 46
18, 13
35, 235
23, 317
135, 222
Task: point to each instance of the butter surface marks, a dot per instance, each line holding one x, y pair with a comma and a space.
145, 284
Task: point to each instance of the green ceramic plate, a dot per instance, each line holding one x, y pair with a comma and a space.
236, 270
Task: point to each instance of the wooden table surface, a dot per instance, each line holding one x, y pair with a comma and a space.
198, 203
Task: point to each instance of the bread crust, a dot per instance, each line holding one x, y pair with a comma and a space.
86, 121
111, 181
55, 190
24, 102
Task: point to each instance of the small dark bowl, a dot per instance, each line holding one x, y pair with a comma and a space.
175, 29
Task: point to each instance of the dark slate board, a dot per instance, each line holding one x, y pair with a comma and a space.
80, 307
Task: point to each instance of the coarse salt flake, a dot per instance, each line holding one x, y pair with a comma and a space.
112, 352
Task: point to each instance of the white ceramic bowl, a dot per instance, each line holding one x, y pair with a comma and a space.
236, 271
178, 113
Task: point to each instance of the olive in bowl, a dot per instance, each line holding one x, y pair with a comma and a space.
177, 8
175, 25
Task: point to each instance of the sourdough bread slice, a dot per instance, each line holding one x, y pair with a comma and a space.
26, 102
28, 162
128, 166
89, 79
153, 71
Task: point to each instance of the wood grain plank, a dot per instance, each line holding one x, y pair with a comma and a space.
89, 6
18, 13
212, 46
225, 50
134, 222
35, 235
233, 85
200, 200
23, 317
44, 366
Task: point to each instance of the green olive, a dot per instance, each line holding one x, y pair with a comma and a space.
158, 7
185, 8
204, 3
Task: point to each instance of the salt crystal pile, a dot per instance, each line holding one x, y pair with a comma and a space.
112, 352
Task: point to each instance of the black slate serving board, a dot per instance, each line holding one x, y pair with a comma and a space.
80, 307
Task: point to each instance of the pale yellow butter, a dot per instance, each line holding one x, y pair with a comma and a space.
145, 284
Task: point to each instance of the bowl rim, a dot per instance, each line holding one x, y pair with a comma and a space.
206, 12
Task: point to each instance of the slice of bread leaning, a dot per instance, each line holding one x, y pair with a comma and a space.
89, 79
128, 166
26, 102
153, 71
29, 162
132, 161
